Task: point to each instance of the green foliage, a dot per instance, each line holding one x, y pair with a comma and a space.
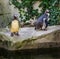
26, 4
52, 5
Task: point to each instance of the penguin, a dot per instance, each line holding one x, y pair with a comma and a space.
42, 21
14, 26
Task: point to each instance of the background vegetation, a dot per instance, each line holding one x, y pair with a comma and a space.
52, 5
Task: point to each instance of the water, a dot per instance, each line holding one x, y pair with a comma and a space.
50, 53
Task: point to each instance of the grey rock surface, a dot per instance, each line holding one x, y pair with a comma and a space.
30, 38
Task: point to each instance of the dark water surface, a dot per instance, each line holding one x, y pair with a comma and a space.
46, 53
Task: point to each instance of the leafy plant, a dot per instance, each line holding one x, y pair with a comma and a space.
52, 5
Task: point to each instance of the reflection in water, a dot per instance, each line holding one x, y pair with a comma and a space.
51, 53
